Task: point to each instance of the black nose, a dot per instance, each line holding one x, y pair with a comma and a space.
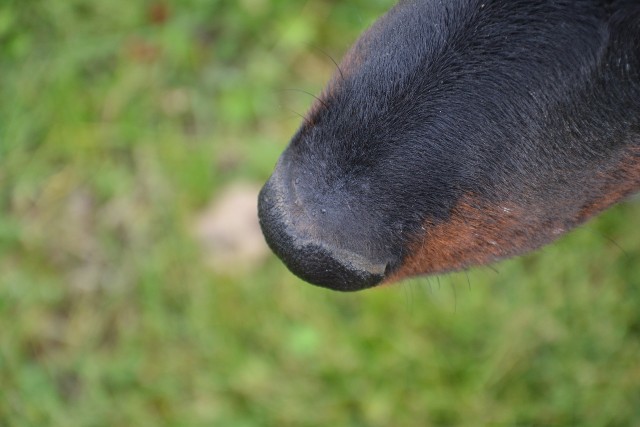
304, 246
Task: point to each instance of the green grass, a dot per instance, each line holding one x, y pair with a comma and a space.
115, 130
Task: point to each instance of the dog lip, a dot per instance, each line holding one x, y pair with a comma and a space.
332, 268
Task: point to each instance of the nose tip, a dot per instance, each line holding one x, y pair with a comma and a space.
291, 236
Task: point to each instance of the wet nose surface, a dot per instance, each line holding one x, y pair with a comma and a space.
291, 237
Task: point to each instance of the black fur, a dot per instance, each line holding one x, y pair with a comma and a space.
525, 101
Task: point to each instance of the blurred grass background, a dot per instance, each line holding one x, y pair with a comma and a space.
120, 121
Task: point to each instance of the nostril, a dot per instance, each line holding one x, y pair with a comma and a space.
293, 240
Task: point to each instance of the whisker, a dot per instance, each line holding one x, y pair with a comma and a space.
429, 283
492, 268
306, 120
613, 242
332, 60
310, 94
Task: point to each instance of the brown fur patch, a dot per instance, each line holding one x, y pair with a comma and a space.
479, 233
623, 181
473, 235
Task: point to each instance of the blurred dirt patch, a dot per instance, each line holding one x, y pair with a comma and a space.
229, 232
